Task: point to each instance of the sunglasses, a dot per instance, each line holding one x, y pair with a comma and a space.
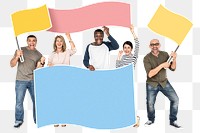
154, 44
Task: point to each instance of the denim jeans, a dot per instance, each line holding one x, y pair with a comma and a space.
20, 90
169, 92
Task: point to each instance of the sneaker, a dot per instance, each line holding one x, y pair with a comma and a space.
148, 123
18, 124
63, 125
175, 124
57, 125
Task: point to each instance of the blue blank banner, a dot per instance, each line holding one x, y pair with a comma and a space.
96, 99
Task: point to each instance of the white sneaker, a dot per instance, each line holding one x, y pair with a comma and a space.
17, 124
148, 123
175, 124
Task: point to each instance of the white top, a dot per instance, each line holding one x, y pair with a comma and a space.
99, 56
62, 57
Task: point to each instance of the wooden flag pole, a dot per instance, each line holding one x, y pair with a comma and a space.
170, 58
19, 48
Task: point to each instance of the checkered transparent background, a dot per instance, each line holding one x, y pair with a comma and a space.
185, 79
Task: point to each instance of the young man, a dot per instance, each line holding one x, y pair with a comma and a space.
155, 64
97, 53
24, 79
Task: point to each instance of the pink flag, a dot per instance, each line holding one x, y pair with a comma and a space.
106, 13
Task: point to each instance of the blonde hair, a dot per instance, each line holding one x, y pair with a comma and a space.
63, 46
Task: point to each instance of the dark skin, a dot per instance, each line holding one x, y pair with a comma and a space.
98, 37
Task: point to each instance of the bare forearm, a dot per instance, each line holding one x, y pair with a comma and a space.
14, 61
119, 58
70, 41
72, 45
154, 71
173, 65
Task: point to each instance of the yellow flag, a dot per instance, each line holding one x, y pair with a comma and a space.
31, 20
169, 24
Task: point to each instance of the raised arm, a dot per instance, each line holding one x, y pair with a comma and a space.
132, 31
70, 41
137, 45
112, 45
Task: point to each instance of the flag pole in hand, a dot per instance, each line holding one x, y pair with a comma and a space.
170, 58
19, 48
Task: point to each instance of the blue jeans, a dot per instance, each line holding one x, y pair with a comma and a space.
20, 90
169, 92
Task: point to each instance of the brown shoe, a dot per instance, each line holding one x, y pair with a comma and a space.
138, 122
63, 125
136, 125
57, 125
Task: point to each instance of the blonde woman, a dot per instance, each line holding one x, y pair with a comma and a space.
61, 55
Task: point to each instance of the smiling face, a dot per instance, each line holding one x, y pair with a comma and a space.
59, 43
127, 49
31, 41
154, 46
98, 36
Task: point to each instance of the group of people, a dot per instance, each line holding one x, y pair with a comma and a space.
96, 57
